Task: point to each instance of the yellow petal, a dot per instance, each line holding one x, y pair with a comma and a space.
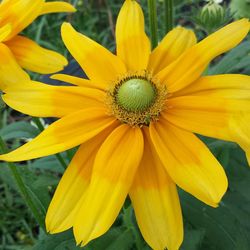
248, 157
133, 45
5, 31
193, 62
11, 73
76, 81
224, 86
209, 116
156, 203
66, 133
42, 100
33, 57
73, 185
100, 65
54, 7
113, 173
189, 162
175, 43
240, 127
19, 13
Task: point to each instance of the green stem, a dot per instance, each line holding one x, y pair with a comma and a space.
169, 15
38, 123
41, 128
61, 160
153, 22
22, 188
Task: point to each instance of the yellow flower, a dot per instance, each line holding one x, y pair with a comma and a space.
135, 120
16, 15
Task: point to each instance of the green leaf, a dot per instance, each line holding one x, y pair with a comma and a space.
62, 241
219, 224
193, 239
124, 241
18, 130
228, 226
48, 163
2, 104
240, 8
115, 238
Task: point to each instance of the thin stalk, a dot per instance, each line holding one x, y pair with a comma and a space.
61, 160
152, 10
41, 128
169, 15
22, 188
38, 123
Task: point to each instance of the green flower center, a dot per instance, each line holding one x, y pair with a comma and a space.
136, 99
136, 95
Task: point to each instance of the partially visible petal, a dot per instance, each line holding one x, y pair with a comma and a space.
56, 6
224, 86
5, 31
189, 162
113, 173
248, 156
73, 186
33, 57
66, 133
76, 81
193, 62
42, 100
133, 45
100, 65
209, 116
175, 43
156, 203
240, 127
11, 73
19, 13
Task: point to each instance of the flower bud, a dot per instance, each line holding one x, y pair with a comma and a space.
212, 16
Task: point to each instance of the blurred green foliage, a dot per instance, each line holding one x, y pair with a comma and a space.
240, 8
224, 228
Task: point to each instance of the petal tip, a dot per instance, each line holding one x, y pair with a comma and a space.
244, 21
78, 237
65, 28
71, 8
54, 76
64, 61
66, 25
216, 200
57, 7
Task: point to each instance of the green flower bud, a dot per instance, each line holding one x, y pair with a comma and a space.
212, 16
